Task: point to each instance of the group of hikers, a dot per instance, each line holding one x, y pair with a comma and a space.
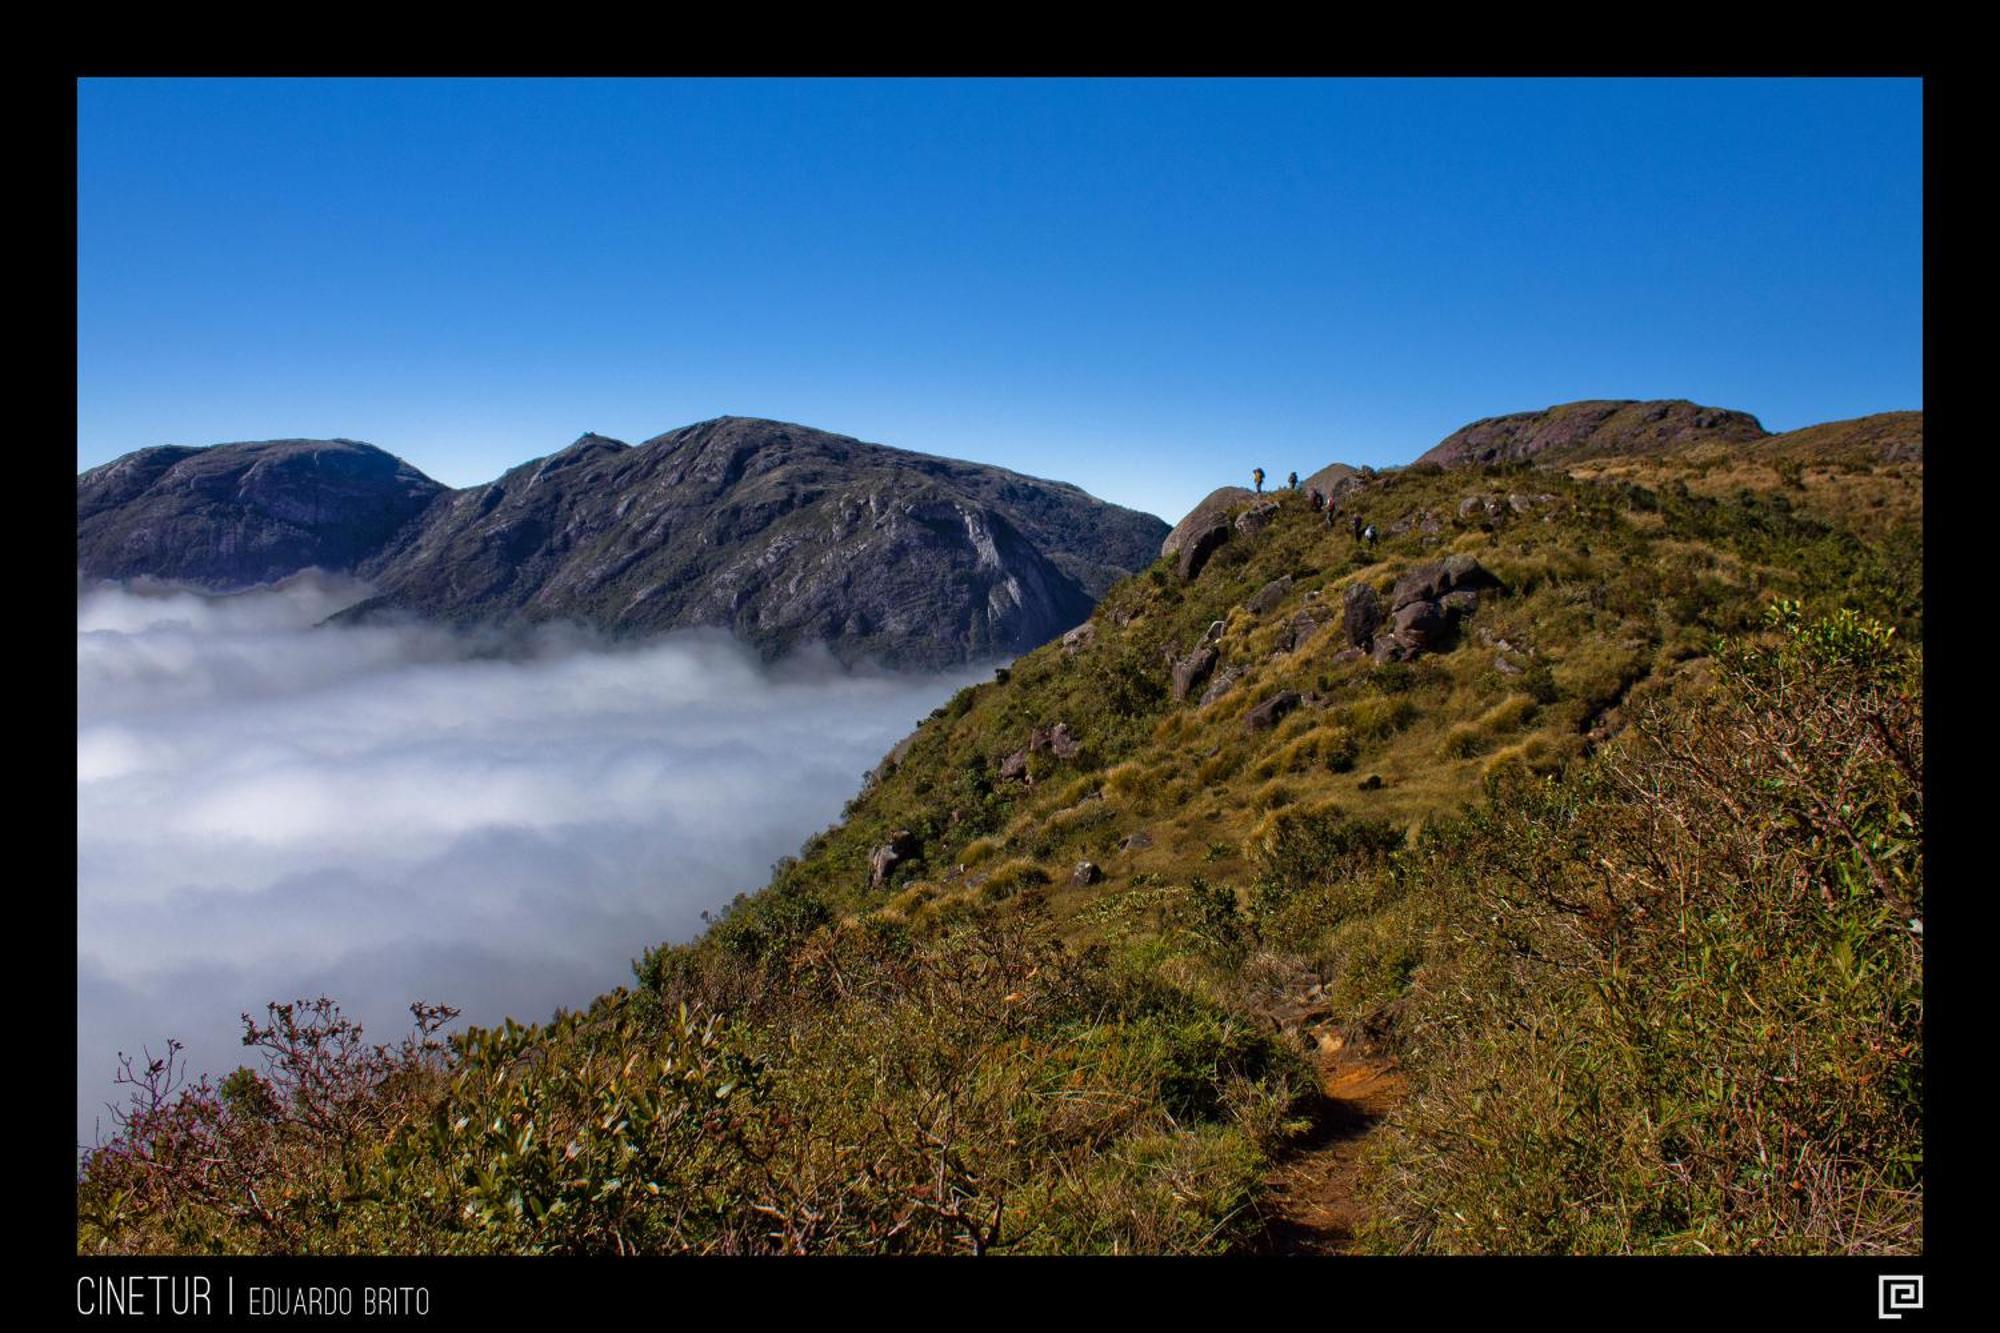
1321, 504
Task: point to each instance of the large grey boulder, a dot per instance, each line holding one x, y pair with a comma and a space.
1192, 670
1200, 549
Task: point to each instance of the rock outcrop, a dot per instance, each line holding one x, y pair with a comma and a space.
901, 847
1591, 428
1200, 548
1215, 507
1425, 607
1190, 671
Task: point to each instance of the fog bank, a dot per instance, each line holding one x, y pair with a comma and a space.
267, 810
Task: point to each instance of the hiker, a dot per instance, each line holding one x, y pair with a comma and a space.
1257, 475
1356, 522
1368, 534
1292, 482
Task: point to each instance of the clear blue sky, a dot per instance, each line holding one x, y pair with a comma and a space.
1143, 287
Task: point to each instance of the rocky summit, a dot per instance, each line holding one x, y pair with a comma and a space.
779, 533
236, 515
1597, 426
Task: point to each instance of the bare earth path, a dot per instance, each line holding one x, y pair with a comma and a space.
1313, 1204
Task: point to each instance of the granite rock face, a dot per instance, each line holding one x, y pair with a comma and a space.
781, 534
238, 515
1592, 428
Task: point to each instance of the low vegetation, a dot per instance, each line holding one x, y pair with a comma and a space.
1626, 874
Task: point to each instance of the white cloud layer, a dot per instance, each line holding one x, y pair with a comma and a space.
268, 810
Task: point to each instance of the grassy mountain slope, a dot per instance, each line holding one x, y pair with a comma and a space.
1620, 871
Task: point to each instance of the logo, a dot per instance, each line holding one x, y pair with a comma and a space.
1893, 1295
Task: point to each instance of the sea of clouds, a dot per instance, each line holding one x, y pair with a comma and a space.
270, 809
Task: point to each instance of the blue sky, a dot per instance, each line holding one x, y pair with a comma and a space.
1144, 287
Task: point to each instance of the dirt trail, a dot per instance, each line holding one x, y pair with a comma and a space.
1313, 1204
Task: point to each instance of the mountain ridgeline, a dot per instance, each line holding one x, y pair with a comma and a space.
1543, 875
781, 534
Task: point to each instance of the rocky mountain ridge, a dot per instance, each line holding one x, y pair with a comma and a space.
780, 533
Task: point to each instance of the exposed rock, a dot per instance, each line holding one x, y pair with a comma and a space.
1461, 603
1015, 767
1360, 614
902, 845
1215, 630
1425, 583
1137, 841
1332, 480
1192, 670
1267, 598
1593, 428
1271, 712
1298, 631
1078, 639
1476, 507
1431, 582
1215, 507
1224, 680
1420, 624
1465, 572
1086, 872
1057, 740
1200, 547
1255, 519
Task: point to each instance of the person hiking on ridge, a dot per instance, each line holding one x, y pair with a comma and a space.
1292, 482
1257, 475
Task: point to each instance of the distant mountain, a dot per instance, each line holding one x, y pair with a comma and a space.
236, 515
782, 534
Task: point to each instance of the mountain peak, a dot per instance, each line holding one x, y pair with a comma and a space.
1591, 427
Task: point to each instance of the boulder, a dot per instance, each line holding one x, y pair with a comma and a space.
1057, 740
1268, 597
1192, 670
1079, 638
1461, 603
1333, 479
1429, 583
1137, 841
1215, 507
1463, 571
1297, 632
1420, 624
1473, 508
1361, 614
1086, 872
1220, 686
1425, 583
1015, 767
1271, 712
1256, 518
902, 845
1200, 548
